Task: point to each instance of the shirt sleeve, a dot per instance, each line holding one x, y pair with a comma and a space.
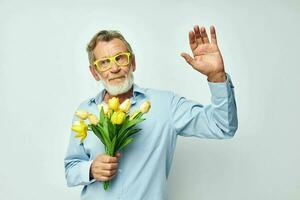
215, 121
77, 163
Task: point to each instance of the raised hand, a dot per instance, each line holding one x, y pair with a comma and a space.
207, 58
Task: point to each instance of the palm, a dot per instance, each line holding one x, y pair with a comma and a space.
207, 57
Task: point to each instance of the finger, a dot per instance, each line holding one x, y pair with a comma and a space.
198, 35
118, 154
204, 35
108, 173
105, 178
213, 35
110, 166
188, 58
109, 159
193, 43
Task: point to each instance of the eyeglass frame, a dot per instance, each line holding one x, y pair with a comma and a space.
112, 59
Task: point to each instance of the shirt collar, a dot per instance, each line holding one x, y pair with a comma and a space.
99, 97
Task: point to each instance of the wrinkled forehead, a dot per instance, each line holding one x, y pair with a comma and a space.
105, 49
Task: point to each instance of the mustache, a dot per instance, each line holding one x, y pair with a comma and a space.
115, 77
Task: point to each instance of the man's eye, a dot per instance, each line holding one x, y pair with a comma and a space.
118, 58
104, 62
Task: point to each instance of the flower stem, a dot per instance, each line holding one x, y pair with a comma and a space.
106, 185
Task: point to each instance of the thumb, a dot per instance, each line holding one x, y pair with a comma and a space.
118, 154
188, 58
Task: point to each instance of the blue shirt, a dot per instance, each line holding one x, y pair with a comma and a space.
145, 163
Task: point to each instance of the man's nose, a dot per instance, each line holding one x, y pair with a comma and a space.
114, 68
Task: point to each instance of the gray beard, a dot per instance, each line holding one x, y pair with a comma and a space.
120, 88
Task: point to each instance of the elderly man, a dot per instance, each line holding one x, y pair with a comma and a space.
141, 171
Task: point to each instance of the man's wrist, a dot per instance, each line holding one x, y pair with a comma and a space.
217, 77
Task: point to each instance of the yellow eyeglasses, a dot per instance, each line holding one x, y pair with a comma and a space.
121, 59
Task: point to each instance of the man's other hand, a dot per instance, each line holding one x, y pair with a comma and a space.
104, 167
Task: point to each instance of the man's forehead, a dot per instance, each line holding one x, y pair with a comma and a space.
110, 48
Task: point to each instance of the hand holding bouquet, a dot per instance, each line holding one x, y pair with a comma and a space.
114, 126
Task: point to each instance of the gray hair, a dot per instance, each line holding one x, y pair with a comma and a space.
105, 35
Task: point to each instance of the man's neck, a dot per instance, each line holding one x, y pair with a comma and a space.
122, 97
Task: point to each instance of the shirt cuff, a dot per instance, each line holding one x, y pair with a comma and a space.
86, 172
221, 89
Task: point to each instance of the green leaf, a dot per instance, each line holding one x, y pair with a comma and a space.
138, 116
105, 136
124, 124
126, 135
102, 115
129, 125
126, 142
113, 143
97, 133
117, 129
132, 131
111, 129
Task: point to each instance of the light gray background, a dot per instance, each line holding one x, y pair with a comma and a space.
44, 76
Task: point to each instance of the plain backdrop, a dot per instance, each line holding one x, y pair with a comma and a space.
44, 76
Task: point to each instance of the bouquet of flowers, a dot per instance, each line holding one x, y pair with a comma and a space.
114, 126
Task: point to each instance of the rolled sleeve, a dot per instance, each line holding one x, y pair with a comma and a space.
217, 120
222, 89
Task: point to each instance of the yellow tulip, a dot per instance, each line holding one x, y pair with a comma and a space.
81, 129
82, 114
104, 106
113, 103
145, 107
117, 117
93, 119
125, 106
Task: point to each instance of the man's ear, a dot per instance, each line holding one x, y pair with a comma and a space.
94, 73
133, 63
